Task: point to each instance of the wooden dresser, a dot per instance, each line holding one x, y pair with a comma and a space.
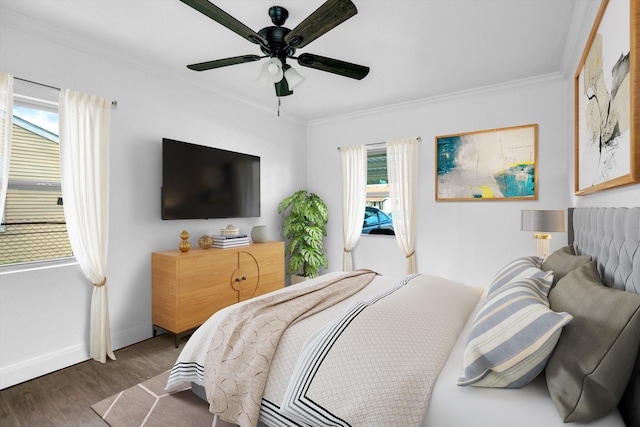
188, 287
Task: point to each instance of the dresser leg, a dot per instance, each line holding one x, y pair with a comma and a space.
176, 337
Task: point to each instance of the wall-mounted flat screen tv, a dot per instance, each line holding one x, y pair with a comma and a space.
205, 182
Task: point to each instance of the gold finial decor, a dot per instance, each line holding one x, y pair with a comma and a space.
184, 244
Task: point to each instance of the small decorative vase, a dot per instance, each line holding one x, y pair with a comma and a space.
205, 242
260, 234
184, 244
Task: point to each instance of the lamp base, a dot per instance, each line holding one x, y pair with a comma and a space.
542, 244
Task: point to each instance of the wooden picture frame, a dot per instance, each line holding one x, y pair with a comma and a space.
494, 164
607, 104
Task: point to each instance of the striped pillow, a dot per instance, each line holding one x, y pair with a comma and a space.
512, 337
518, 269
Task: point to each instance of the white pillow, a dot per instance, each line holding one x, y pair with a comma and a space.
518, 269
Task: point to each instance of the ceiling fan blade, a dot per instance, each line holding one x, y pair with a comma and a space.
202, 66
334, 66
282, 88
223, 18
328, 16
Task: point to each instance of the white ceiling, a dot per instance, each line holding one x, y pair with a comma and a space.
416, 49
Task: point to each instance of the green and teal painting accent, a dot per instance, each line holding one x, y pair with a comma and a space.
517, 180
447, 151
497, 164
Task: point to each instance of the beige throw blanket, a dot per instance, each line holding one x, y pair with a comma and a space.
241, 350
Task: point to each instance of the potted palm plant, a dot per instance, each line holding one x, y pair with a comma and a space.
305, 216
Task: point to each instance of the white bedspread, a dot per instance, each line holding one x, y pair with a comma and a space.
450, 405
376, 365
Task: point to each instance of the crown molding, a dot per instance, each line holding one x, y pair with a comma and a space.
500, 87
584, 14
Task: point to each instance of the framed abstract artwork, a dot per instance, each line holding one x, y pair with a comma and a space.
495, 164
607, 104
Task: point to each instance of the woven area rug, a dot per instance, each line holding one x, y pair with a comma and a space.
147, 404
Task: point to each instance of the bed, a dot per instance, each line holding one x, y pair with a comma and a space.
363, 361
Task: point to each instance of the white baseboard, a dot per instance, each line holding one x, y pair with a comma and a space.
131, 336
50, 362
41, 365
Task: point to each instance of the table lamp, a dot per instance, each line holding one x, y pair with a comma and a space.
542, 222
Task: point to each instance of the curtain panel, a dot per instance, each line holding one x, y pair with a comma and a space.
6, 125
402, 170
84, 164
354, 198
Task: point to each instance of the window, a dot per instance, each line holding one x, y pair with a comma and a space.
33, 225
377, 215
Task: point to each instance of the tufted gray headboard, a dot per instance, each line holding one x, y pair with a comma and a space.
611, 236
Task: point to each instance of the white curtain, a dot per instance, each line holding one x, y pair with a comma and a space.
402, 170
6, 124
354, 198
84, 161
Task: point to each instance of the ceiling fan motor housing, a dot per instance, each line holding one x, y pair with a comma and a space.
275, 35
277, 46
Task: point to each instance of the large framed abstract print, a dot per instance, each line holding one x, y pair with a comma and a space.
607, 107
495, 164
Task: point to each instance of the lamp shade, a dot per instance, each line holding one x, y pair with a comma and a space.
543, 220
271, 72
293, 77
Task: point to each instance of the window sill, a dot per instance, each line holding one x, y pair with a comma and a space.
37, 265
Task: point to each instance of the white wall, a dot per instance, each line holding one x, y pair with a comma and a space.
44, 313
464, 241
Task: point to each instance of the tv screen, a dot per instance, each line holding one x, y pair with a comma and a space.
204, 182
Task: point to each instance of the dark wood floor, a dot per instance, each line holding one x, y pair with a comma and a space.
64, 398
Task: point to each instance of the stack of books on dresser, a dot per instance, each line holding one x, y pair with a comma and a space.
231, 241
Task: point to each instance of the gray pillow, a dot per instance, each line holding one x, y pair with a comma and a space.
562, 262
593, 360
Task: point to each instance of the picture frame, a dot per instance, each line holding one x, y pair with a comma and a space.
488, 165
607, 104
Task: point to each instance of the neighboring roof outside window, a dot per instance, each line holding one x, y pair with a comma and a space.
35, 129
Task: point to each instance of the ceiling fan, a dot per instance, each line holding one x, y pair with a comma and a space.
279, 43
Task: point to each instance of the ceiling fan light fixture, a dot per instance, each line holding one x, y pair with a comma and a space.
293, 77
273, 68
271, 72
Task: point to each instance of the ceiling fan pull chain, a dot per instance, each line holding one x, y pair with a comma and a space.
279, 103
